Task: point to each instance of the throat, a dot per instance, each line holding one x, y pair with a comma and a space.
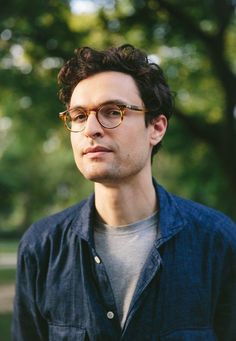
122, 207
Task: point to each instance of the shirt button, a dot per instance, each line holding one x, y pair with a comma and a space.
97, 259
110, 315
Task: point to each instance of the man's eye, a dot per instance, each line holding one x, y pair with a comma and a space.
112, 112
78, 116
115, 113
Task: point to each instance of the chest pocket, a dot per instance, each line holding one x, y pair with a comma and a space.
65, 333
190, 335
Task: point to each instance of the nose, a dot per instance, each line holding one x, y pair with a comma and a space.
92, 126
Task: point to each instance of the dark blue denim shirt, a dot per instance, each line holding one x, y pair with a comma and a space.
186, 291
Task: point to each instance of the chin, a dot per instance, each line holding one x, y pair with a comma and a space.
100, 178
96, 173
104, 177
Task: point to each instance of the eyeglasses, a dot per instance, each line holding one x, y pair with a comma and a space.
109, 115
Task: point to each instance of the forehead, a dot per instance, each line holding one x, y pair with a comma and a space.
105, 86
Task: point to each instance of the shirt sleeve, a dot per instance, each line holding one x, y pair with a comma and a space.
225, 318
27, 324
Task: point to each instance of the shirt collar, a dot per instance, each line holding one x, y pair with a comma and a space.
170, 219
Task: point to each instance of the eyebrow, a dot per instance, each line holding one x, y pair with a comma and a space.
110, 101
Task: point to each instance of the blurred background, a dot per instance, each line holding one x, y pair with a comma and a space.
195, 44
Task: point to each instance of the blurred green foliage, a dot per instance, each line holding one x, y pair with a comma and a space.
7, 280
194, 41
7, 276
5, 326
8, 246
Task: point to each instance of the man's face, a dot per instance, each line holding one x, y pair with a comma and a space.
112, 155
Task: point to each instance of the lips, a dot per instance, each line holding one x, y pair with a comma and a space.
96, 149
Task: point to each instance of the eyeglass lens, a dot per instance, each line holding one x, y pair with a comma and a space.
109, 116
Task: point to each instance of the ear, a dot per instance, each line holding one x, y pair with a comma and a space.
158, 128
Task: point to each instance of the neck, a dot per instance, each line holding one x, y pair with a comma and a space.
122, 204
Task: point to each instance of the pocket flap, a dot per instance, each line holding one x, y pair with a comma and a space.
65, 333
190, 335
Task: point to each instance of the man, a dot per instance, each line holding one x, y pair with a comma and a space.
132, 262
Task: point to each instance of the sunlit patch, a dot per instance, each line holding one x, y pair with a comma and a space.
83, 7
6, 34
89, 6
154, 58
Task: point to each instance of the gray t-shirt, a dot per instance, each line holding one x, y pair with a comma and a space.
124, 250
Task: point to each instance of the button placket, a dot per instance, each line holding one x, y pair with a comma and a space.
110, 315
97, 259
105, 287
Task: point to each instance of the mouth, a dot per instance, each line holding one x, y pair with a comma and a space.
95, 151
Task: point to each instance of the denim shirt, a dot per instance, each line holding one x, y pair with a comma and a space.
186, 290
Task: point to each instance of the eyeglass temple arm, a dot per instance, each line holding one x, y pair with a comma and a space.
133, 107
62, 115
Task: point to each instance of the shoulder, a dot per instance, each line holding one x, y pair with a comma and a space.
198, 220
51, 227
207, 219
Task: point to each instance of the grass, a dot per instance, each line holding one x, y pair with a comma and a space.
8, 246
7, 276
5, 326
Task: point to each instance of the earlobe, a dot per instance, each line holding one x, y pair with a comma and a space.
158, 129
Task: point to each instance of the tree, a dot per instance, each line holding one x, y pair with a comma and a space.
195, 44
199, 47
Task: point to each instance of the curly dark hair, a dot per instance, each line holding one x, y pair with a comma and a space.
148, 76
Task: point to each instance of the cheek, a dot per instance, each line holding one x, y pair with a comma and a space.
75, 147
72, 139
75, 141
134, 148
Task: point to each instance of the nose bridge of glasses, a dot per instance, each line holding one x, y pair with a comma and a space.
90, 111
92, 119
